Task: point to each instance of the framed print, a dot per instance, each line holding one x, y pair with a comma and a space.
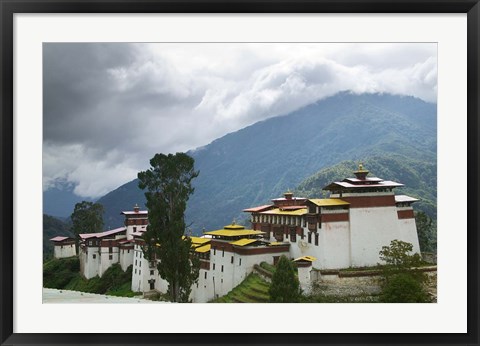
327, 155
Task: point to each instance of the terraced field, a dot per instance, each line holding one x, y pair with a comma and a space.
252, 290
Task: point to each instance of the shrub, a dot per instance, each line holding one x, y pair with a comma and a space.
404, 288
285, 287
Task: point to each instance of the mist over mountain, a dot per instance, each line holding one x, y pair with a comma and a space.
60, 200
260, 162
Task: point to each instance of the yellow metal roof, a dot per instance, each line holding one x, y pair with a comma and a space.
305, 258
234, 226
199, 241
328, 202
275, 243
243, 242
203, 249
234, 233
278, 211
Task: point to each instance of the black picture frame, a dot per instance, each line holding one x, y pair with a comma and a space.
10, 7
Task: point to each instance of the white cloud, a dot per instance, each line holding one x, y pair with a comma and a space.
110, 107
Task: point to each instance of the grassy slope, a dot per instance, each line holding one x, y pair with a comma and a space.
65, 274
252, 290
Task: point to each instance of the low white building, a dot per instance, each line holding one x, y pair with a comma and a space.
63, 247
99, 251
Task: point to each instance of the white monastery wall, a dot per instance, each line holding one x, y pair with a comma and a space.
64, 251
333, 246
107, 258
126, 258
371, 228
202, 292
91, 262
408, 233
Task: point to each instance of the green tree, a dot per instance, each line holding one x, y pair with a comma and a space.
285, 287
398, 256
169, 185
427, 232
87, 217
403, 281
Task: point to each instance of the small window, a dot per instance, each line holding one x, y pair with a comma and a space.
223, 253
240, 262
135, 262
151, 272
214, 251
110, 257
128, 251
205, 275
222, 268
110, 249
135, 271
316, 238
214, 266
94, 256
293, 235
140, 263
231, 260
310, 237
139, 271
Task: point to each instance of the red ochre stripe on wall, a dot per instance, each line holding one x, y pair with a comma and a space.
335, 217
370, 201
405, 214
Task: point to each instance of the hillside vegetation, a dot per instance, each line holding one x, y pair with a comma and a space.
65, 274
252, 290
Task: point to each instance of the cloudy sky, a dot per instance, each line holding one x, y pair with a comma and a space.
108, 108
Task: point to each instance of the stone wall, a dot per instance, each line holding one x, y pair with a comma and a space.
360, 283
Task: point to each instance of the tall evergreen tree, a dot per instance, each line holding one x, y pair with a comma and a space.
168, 184
87, 217
285, 287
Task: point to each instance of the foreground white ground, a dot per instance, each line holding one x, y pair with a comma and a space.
65, 296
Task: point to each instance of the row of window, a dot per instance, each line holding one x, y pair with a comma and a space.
215, 252
152, 272
110, 257
279, 219
137, 221
231, 261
